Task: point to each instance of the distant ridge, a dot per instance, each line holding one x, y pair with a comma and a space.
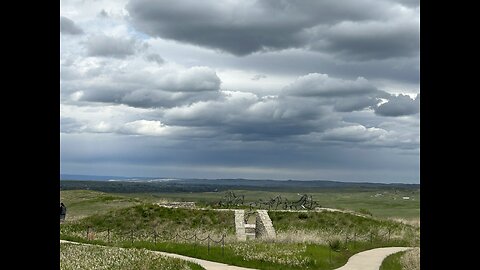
158, 183
84, 177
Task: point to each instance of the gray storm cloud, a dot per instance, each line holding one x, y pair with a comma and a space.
147, 87
67, 26
356, 30
399, 105
107, 46
153, 57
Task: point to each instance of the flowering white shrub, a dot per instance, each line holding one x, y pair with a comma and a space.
411, 259
272, 252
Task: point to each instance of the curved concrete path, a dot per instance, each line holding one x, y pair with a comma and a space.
370, 259
208, 265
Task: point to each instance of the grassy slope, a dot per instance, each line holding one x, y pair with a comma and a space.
147, 217
83, 203
328, 221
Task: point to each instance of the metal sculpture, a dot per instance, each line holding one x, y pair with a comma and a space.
305, 202
231, 199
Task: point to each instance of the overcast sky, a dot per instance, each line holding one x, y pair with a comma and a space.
265, 89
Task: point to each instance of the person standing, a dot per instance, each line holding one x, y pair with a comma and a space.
63, 212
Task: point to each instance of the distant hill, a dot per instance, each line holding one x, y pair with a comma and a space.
98, 177
149, 184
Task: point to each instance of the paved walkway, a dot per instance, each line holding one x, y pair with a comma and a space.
370, 259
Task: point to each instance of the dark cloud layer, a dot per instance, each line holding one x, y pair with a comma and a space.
344, 95
67, 26
355, 30
370, 40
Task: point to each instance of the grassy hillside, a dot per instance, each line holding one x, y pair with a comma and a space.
320, 227
141, 221
147, 216
83, 203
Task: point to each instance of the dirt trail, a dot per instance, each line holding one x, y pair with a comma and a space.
366, 260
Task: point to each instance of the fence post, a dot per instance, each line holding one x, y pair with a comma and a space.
346, 238
131, 235
108, 235
88, 231
195, 241
354, 238
208, 244
371, 237
223, 244
389, 231
155, 236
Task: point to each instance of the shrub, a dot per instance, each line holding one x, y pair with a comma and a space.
302, 216
335, 244
365, 212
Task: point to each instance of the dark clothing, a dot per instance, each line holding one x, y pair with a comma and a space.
63, 212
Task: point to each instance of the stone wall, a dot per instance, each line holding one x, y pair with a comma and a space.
177, 204
240, 225
264, 227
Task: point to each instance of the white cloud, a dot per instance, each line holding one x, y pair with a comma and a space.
145, 127
316, 84
355, 133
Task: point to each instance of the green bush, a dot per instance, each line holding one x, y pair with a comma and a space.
365, 212
335, 244
302, 216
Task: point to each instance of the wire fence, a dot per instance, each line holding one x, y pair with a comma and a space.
373, 236
133, 235
352, 236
